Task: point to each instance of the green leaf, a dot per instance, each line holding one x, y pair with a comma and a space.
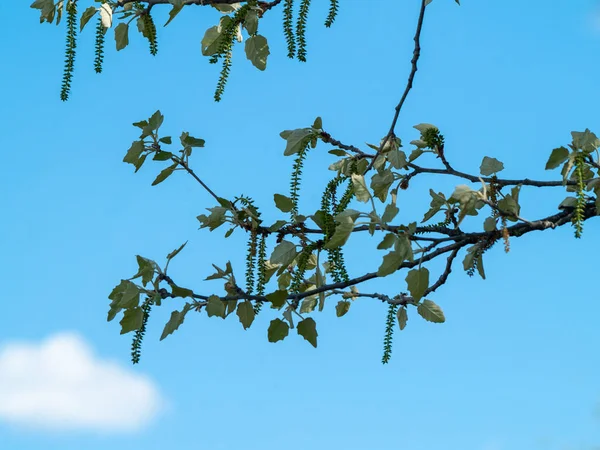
277, 298
86, 16
490, 166
278, 330
489, 224
251, 22
156, 120
297, 140
307, 328
431, 312
342, 232
177, 7
134, 152
391, 262
390, 212
557, 157
257, 51
284, 253
402, 317
211, 42
361, 192
342, 308
397, 158
214, 220
187, 140
284, 203
145, 269
177, 291
162, 156
164, 174
174, 253
387, 242
245, 312
418, 282
133, 319
122, 35
215, 307
308, 305
175, 321
381, 183
166, 140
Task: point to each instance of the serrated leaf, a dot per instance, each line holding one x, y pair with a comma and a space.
245, 312
134, 152
177, 291
175, 321
284, 203
397, 158
215, 307
86, 16
390, 212
278, 330
177, 7
297, 140
402, 317
342, 232
418, 282
361, 192
122, 35
277, 298
174, 253
431, 312
557, 157
490, 166
145, 269
211, 42
191, 141
133, 319
308, 305
342, 308
164, 174
307, 328
257, 51
284, 253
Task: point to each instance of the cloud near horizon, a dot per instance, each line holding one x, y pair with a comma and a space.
59, 384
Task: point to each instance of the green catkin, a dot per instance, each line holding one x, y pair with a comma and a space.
296, 179
99, 46
389, 333
333, 10
136, 345
579, 213
288, 30
70, 50
301, 29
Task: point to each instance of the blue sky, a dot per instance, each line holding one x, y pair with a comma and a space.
514, 367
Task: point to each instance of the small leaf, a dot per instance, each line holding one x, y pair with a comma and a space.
278, 330
557, 157
341, 234
284, 253
277, 298
86, 16
215, 307
257, 51
297, 140
134, 152
174, 253
402, 317
418, 282
431, 312
245, 312
177, 7
211, 42
489, 224
175, 321
490, 166
133, 319
145, 269
390, 212
308, 305
284, 203
361, 192
164, 174
177, 291
307, 328
391, 262
122, 35
342, 308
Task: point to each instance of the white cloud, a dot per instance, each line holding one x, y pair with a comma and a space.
59, 384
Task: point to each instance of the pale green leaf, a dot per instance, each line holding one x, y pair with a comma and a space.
257, 51
418, 282
245, 312
122, 35
490, 166
431, 312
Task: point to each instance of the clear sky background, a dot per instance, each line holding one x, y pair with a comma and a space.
515, 366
